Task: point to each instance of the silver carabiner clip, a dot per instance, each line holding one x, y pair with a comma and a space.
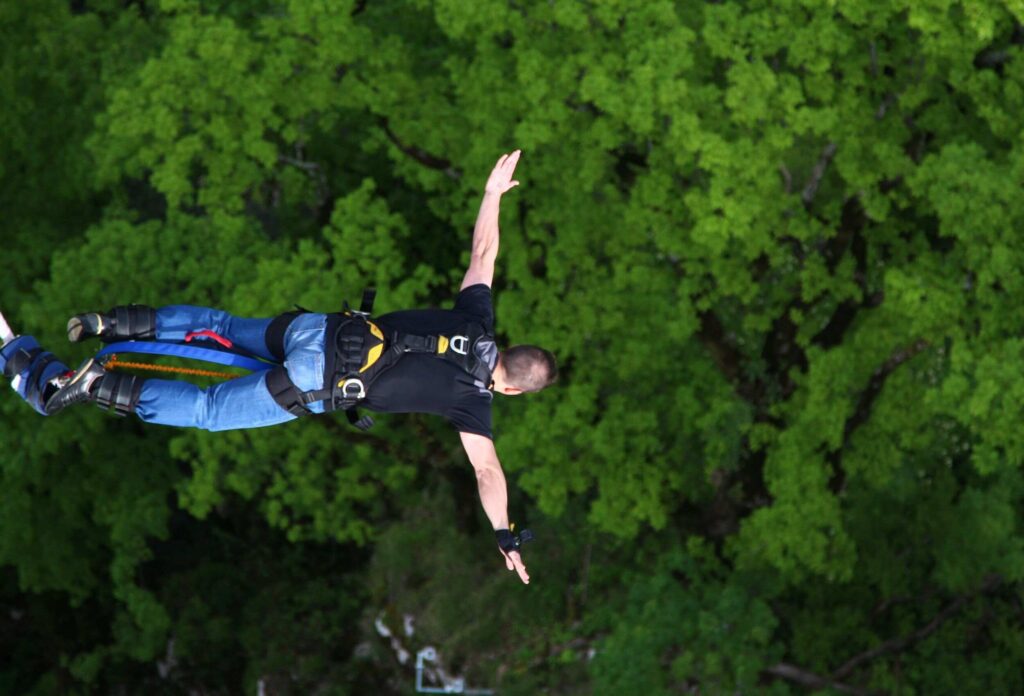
346, 391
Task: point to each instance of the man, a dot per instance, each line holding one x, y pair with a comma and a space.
418, 380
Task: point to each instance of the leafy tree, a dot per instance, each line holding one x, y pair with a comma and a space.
773, 245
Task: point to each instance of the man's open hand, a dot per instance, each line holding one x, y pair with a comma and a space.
500, 179
513, 561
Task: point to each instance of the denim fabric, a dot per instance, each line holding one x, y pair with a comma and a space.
243, 402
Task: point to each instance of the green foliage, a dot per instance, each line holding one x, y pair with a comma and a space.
686, 623
773, 245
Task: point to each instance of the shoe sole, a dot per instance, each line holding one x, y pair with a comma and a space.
76, 328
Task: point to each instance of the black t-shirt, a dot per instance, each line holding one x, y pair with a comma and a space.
423, 383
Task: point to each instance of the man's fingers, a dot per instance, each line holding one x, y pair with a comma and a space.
513, 561
508, 158
520, 567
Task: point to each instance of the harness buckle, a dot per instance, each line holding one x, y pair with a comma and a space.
460, 344
353, 389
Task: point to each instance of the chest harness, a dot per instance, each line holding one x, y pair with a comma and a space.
357, 351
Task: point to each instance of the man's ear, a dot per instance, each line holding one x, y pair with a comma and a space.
511, 391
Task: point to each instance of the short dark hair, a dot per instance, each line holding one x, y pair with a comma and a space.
529, 368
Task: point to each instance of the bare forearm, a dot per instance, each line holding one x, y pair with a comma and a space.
493, 496
485, 232
490, 480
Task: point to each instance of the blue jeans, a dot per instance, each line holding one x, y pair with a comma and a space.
243, 402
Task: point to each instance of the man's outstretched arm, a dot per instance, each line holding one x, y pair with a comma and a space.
490, 480
485, 233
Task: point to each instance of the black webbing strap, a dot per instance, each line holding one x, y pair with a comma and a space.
408, 343
349, 339
33, 390
274, 337
285, 393
20, 361
364, 423
369, 295
290, 397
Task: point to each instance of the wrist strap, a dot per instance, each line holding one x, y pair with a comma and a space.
509, 541
506, 540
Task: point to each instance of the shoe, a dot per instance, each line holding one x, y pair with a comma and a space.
113, 391
124, 322
77, 390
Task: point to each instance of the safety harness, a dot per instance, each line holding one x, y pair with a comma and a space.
358, 351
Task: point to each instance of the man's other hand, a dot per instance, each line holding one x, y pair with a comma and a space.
513, 561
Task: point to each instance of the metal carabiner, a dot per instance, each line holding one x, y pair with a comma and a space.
346, 385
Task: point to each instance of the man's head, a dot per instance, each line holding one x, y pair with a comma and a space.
524, 369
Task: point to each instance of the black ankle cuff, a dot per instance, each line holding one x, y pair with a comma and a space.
117, 392
135, 322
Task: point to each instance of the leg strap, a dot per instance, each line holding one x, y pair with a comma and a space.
274, 337
137, 322
284, 391
290, 397
118, 392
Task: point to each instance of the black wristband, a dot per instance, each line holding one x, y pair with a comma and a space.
506, 540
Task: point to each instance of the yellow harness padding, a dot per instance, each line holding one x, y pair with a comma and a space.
442, 344
375, 352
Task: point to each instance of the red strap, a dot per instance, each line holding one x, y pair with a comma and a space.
206, 333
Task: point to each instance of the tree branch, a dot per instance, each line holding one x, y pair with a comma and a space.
864, 405
724, 354
310, 167
728, 359
421, 155
895, 645
810, 680
875, 384
787, 179
818, 173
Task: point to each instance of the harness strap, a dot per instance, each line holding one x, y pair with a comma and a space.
274, 336
285, 393
290, 397
364, 423
35, 384
20, 361
408, 343
33, 362
366, 306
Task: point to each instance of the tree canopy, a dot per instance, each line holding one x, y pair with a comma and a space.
774, 245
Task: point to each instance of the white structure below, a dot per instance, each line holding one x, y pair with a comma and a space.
6, 335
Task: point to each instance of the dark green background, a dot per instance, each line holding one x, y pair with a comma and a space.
776, 247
